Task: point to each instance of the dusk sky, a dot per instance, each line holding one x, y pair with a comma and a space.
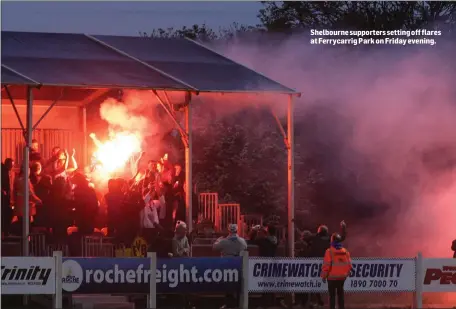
122, 18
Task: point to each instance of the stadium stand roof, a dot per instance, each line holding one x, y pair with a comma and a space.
79, 60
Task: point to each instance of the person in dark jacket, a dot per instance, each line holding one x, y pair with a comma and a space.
267, 243
7, 189
85, 204
178, 181
303, 251
59, 207
453, 247
320, 242
114, 199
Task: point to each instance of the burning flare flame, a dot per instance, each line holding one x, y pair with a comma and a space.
113, 154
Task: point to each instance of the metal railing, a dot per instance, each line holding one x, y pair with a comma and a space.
228, 214
208, 207
98, 246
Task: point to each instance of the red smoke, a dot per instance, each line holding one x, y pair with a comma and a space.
398, 105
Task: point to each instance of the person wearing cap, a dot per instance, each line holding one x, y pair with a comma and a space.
232, 245
337, 266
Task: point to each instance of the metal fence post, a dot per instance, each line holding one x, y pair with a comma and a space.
152, 297
419, 281
58, 304
244, 297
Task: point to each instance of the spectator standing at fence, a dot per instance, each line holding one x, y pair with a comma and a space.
7, 190
233, 244
336, 268
180, 244
253, 234
230, 246
267, 243
319, 243
303, 251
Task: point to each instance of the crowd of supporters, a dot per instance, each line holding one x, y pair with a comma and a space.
63, 199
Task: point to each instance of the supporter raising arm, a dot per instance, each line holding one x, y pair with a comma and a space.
73, 162
60, 168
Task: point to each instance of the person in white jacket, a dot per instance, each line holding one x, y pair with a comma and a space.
233, 244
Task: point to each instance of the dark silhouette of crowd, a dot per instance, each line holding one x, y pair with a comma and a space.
64, 201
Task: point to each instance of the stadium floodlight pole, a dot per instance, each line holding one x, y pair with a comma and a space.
290, 148
188, 162
26, 173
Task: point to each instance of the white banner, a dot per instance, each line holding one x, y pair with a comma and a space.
439, 275
28, 275
303, 275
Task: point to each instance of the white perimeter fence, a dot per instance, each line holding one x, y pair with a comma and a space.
48, 275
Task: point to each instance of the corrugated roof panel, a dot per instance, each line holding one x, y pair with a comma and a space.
194, 64
163, 49
219, 77
11, 78
75, 60
54, 46
90, 73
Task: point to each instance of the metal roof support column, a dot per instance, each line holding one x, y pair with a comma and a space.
291, 210
282, 131
26, 173
170, 114
188, 165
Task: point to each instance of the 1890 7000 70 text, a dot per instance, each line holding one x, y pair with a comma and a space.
373, 283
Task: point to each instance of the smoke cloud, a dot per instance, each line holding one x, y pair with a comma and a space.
139, 113
381, 123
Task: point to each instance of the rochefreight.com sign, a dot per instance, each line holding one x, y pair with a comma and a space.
131, 275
